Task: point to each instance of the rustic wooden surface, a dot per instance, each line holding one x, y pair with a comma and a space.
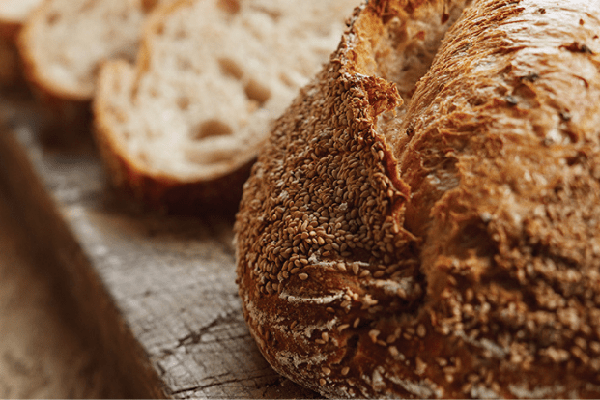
42, 354
158, 292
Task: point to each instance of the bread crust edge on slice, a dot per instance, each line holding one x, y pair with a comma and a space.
11, 77
65, 112
32, 69
155, 190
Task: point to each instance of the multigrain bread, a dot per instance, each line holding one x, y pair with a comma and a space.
180, 129
450, 248
64, 43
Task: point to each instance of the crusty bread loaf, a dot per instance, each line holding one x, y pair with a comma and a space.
450, 248
180, 129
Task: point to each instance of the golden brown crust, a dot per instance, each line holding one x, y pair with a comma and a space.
453, 251
9, 29
11, 76
9, 62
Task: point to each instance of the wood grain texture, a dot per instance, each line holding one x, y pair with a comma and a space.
41, 353
159, 292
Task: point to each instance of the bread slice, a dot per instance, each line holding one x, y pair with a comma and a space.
13, 14
64, 43
451, 250
181, 127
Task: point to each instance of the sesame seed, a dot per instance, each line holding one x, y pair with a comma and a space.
373, 333
303, 276
345, 371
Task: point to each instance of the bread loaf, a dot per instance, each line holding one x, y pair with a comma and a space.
180, 129
449, 247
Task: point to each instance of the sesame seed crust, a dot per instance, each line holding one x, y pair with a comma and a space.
449, 247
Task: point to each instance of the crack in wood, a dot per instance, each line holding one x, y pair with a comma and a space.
217, 384
194, 337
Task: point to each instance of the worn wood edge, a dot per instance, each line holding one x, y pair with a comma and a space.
101, 322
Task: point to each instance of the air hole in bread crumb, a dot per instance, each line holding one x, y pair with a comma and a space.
210, 128
183, 103
87, 6
148, 5
229, 6
255, 90
184, 64
52, 19
230, 68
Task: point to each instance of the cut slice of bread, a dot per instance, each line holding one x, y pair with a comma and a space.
182, 126
13, 14
64, 42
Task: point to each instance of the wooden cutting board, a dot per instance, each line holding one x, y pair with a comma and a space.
157, 293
